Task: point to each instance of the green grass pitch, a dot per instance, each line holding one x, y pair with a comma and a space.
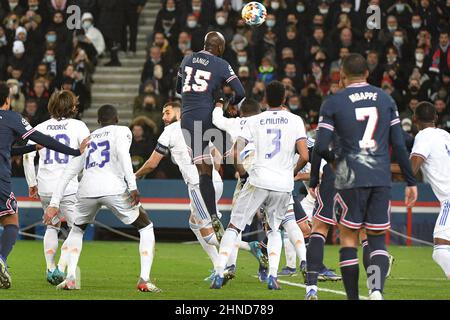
109, 270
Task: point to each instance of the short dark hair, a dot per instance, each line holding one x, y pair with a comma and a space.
107, 113
173, 104
4, 93
250, 107
275, 94
355, 65
425, 112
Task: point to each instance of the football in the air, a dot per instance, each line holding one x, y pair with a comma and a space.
254, 13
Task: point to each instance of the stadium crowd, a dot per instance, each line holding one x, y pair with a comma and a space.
302, 43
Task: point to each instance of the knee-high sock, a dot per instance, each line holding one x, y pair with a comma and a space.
366, 253
212, 239
234, 253
210, 250
74, 243
50, 246
441, 255
146, 250
378, 258
208, 194
64, 257
9, 237
296, 237
289, 252
274, 245
350, 271
226, 246
314, 259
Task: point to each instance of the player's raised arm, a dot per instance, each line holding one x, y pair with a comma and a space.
233, 81
325, 133
219, 120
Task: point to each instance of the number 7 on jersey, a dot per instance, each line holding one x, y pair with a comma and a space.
362, 114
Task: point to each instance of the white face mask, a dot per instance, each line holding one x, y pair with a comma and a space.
275, 5
419, 56
270, 23
400, 7
13, 5
86, 25
392, 28
398, 40
196, 8
191, 24
294, 107
346, 9
221, 21
14, 90
323, 10
242, 60
416, 25
170, 9
300, 8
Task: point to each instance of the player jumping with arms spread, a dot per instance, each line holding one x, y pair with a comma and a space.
108, 180
199, 81
364, 122
62, 108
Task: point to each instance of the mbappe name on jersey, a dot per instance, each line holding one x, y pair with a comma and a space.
359, 96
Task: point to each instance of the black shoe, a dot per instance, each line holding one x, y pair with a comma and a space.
113, 64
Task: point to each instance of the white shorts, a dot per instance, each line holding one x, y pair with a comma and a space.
198, 207
251, 198
120, 205
442, 226
66, 208
308, 204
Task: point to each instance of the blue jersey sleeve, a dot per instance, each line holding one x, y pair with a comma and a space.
325, 131
233, 81
20, 126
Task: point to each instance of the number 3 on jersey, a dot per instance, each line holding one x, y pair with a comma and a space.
362, 114
200, 79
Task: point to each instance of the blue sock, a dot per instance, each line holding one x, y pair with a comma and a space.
366, 254
208, 194
314, 258
350, 271
9, 237
378, 257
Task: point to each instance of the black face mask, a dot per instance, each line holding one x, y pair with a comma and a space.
149, 105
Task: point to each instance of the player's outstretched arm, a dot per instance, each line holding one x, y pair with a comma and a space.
52, 144
150, 165
19, 151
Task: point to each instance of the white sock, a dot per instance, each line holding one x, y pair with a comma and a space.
212, 239
146, 250
234, 253
441, 255
74, 244
50, 246
244, 245
210, 250
296, 237
289, 252
226, 246
274, 244
64, 257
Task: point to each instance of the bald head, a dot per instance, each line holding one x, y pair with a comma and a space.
215, 43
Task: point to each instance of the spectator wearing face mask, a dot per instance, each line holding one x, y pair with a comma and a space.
221, 25
93, 35
278, 9
244, 75
404, 49
17, 97
414, 26
386, 34
402, 11
203, 10
13, 6
196, 31
168, 21
346, 7
148, 107
295, 106
20, 57
39, 8
184, 43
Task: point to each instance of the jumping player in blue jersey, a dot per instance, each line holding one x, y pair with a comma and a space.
362, 121
13, 127
200, 79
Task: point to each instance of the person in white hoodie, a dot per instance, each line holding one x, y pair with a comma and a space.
92, 33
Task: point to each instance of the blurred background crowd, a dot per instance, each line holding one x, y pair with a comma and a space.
302, 43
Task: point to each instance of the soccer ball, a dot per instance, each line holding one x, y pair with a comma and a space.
254, 13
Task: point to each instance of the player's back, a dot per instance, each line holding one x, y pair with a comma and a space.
433, 144
362, 116
104, 167
274, 134
202, 74
70, 132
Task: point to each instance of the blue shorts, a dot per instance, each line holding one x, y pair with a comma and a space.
323, 210
368, 208
198, 134
8, 204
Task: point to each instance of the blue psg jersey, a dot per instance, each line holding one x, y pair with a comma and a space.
361, 116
